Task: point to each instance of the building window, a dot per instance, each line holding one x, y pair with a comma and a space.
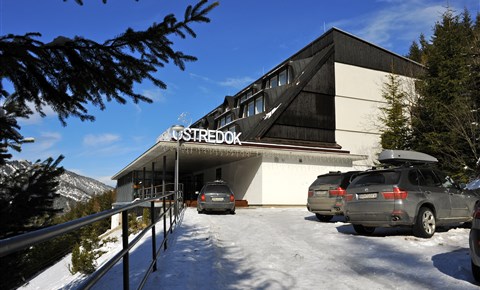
254, 106
259, 105
274, 81
280, 78
224, 120
250, 108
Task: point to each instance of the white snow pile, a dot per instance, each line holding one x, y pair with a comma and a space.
287, 248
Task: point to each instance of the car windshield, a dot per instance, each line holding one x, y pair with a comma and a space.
328, 179
217, 188
376, 178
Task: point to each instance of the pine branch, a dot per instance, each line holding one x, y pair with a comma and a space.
69, 74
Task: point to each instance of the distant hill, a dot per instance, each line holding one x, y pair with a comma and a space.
72, 187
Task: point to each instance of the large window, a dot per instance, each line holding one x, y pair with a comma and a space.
280, 78
254, 106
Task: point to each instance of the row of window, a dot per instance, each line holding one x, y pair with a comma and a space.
255, 105
281, 78
251, 107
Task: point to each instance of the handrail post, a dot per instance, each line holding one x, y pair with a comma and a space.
154, 238
164, 176
126, 274
170, 213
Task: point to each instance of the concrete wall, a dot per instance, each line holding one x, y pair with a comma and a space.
286, 178
358, 98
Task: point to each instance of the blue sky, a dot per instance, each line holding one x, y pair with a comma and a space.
245, 39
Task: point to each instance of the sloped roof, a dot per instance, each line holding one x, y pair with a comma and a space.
335, 45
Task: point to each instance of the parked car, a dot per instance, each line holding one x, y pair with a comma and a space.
408, 191
216, 196
326, 194
474, 242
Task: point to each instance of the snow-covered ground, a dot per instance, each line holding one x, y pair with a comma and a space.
287, 248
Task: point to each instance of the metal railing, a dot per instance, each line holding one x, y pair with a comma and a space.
17, 243
151, 191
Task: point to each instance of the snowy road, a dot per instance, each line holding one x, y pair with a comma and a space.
286, 248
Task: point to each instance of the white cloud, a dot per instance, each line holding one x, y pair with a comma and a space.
100, 139
43, 147
46, 141
35, 118
236, 83
403, 20
156, 94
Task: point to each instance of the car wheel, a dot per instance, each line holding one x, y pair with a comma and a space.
232, 212
362, 230
425, 224
476, 272
324, 218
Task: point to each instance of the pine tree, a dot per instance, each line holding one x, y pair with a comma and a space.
396, 127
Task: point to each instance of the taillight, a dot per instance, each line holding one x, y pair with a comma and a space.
310, 193
232, 197
202, 197
397, 193
348, 197
476, 212
337, 191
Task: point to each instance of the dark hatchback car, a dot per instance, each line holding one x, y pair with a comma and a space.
326, 193
216, 196
409, 191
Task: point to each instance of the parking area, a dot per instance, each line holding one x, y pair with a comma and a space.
288, 248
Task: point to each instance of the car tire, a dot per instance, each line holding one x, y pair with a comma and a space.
324, 218
425, 224
363, 230
232, 212
475, 272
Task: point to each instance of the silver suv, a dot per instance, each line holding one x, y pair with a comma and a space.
411, 193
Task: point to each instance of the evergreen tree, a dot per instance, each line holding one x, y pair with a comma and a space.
27, 195
395, 131
445, 96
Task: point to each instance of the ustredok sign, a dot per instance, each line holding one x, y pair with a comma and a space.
208, 136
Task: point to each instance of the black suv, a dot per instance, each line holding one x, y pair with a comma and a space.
325, 195
411, 193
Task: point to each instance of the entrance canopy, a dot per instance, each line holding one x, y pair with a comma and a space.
196, 156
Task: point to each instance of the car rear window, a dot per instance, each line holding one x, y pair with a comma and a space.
328, 179
216, 188
376, 178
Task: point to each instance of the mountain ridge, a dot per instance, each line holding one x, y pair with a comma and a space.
72, 187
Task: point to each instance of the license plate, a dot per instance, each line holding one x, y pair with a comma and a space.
367, 196
321, 193
217, 198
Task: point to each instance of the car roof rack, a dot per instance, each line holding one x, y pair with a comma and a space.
405, 157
